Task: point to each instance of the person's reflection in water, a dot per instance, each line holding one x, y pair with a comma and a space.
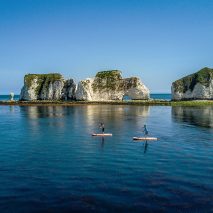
145, 147
102, 142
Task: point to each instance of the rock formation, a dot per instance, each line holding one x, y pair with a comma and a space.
195, 86
69, 90
47, 87
109, 85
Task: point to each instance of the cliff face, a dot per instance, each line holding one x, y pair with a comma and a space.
69, 90
109, 85
47, 87
196, 86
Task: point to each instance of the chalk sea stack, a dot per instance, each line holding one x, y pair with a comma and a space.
198, 86
105, 86
47, 87
109, 85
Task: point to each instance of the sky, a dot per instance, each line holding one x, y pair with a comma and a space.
159, 41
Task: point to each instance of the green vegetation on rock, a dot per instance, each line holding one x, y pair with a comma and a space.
115, 74
43, 80
107, 80
203, 77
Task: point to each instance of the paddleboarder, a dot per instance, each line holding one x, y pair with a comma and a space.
102, 127
145, 131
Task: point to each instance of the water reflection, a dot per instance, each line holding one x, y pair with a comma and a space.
87, 117
48, 153
199, 116
102, 142
100, 111
35, 112
114, 117
53, 117
12, 108
145, 147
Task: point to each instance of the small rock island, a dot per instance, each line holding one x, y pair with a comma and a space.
105, 86
47, 87
197, 86
109, 85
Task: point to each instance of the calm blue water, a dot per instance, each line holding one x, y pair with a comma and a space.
161, 96
154, 96
50, 163
7, 97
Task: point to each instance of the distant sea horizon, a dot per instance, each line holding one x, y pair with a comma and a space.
165, 96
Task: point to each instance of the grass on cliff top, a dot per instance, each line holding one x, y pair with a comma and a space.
203, 77
109, 74
43, 80
106, 80
42, 77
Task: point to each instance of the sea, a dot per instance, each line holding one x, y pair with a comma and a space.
165, 96
49, 162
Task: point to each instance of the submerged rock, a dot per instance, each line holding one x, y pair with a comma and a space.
109, 85
47, 87
195, 86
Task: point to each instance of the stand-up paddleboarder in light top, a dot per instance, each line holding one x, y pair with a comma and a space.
102, 127
145, 131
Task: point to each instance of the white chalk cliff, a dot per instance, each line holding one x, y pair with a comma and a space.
109, 85
195, 86
106, 86
47, 87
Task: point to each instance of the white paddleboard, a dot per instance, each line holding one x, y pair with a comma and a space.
145, 139
101, 134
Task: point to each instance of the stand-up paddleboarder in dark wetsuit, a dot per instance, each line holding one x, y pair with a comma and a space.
102, 127
145, 131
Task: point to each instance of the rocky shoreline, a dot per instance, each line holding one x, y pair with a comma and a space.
151, 102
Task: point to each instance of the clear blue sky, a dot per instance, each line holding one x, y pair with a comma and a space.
156, 40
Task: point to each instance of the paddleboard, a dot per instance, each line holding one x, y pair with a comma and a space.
145, 139
100, 134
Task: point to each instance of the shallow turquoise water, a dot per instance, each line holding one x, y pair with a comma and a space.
49, 161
